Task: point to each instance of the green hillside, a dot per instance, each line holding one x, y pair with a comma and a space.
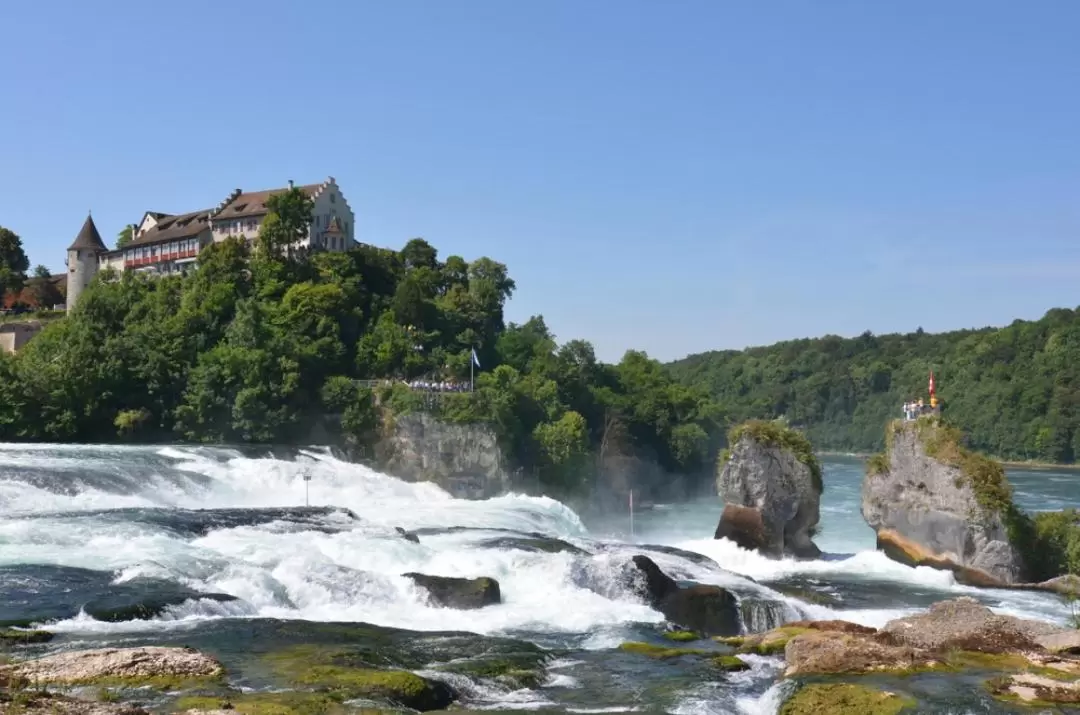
1015, 391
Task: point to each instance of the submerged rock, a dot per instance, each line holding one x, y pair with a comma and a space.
770, 483
116, 665
760, 615
703, 608
14, 636
144, 598
460, 593
407, 535
32, 594
934, 503
349, 675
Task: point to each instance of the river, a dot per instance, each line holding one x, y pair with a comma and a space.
77, 518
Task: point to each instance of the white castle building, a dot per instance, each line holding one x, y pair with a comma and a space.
170, 243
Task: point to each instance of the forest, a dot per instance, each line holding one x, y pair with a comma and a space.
261, 342
1014, 391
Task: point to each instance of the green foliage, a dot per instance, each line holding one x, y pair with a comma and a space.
44, 291
877, 463
263, 345
776, 434
127, 233
1056, 547
1015, 391
13, 262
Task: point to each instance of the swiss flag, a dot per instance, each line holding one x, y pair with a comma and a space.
931, 382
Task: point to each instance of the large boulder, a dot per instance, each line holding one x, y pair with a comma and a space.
460, 593
934, 503
703, 608
128, 665
770, 483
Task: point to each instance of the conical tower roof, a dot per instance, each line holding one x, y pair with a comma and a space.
334, 226
88, 238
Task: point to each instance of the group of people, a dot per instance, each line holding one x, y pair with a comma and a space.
438, 386
914, 408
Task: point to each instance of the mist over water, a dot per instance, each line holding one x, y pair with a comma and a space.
129, 514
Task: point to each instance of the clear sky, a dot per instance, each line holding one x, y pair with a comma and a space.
669, 176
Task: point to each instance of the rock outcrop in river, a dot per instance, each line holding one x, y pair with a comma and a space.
770, 483
702, 608
464, 459
1029, 657
934, 503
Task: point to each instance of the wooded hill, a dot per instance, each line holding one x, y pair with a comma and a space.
1015, 391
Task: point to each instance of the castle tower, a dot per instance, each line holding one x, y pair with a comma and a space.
82, 261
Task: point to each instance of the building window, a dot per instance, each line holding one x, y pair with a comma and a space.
333, 198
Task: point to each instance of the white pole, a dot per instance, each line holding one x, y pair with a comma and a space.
307, 481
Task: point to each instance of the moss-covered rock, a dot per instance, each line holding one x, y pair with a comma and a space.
344, 672
291, 702
771, 643
1034, 689
936, 503
771, 433
461, 593
729, 663
659, 651
14, 636
844, 698
519, 670
770, 483
681, 636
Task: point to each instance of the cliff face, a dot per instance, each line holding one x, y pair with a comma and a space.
927, 500
771, 492
463, 459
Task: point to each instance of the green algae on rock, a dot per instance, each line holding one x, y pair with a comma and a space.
681, 636
770, 643
15, 636
658, 651
282, 703
349, 674
839, 698
729, 663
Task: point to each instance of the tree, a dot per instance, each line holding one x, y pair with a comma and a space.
43, 289
125, 236
13, 262
287, 223
418, 253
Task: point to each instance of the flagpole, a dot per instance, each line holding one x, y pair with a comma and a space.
472, 366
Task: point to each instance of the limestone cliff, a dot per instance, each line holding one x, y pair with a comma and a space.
934, 503
770, 483
464, 459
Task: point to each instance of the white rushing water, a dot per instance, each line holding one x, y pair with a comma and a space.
355, 573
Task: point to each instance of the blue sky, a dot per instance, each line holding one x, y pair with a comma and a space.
673, 177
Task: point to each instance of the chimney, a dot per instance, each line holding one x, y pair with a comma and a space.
290, 183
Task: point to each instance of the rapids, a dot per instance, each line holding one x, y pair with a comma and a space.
222, 536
